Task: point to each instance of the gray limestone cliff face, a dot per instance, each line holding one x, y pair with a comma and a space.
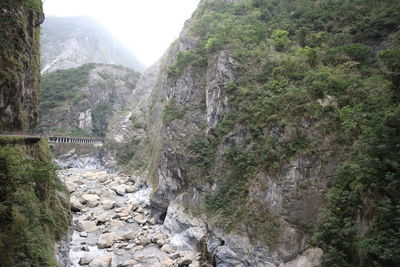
70, 42
293, 194
19, 64
106, 92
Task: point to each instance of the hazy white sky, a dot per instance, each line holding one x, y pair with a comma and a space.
147, 27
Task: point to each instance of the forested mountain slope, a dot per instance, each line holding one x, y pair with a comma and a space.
276, 122
80, 101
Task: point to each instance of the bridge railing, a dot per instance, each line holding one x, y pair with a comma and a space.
75, 140
55, 138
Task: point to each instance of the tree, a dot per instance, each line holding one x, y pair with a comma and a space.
281, 40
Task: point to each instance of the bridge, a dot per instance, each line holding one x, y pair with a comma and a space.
55, 139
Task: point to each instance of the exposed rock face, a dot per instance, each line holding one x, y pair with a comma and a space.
105, 93
175, 103
199, 94
19, 64
71, 42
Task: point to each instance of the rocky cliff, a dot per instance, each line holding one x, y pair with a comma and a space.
34, 210
80, 101
70, 42
254, 125
19, 63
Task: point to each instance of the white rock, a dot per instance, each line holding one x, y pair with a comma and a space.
128, 263
104, 261
116, 223
108, 204
89, 197
168, 262
71, 186
167, 248
105, 240
104, 217
158, 236
194, 264
128, 235
144, 240
86, 226
120, 190
140, 219
75, 204
174, 255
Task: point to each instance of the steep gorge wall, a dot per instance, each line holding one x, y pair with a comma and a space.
243, 123
19, 63
34, 209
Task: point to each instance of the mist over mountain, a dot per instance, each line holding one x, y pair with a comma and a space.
69, 42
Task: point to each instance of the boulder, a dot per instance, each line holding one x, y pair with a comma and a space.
85, 260
134, 206
129, 189
168, 262
75, 204
116, 223
91, 200
86, 226
195, 264
128, 263
175, 255
89, 197
128, 235
83, 234
104, 217
140, 219
105, 240
144, 240
71, 186
120, 190
167, 248
98, 263
157, 237
108, 204
187, 259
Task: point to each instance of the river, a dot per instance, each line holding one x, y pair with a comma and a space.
113, 226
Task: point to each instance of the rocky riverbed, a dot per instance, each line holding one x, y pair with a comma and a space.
113, 226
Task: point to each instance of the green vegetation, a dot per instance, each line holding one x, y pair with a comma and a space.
67, 90
35, 5
187, 58
100, 113
365, 191
126, 153
78, 132
19, 53
306, 69
281, 40
172, 111
63, 85
33, 214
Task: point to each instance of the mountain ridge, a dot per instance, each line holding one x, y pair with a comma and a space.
68, 42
